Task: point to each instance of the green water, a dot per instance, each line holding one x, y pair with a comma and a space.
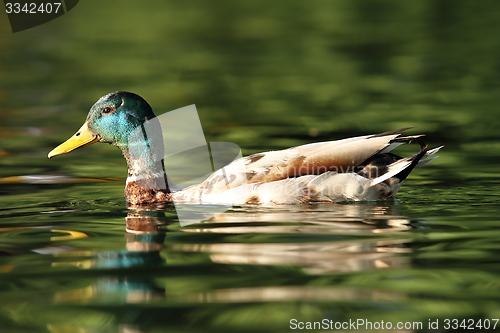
264, 75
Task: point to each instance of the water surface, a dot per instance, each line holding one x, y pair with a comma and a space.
264, 76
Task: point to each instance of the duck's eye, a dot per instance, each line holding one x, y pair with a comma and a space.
106, 109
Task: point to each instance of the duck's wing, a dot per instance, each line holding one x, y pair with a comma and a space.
339, 156
365, 184
327, 187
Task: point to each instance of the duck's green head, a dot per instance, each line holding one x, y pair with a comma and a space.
111, 119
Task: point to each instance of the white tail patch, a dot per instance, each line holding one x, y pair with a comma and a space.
394, 169
425, 160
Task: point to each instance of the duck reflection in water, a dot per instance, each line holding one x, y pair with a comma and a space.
318, 238
241, 256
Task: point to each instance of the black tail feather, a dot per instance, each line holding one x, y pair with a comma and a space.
380, 164
414, 160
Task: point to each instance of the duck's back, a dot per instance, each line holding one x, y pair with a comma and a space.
326, 171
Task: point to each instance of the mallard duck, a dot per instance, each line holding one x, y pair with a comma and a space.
354, 169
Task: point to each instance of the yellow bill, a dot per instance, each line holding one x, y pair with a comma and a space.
81, 138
